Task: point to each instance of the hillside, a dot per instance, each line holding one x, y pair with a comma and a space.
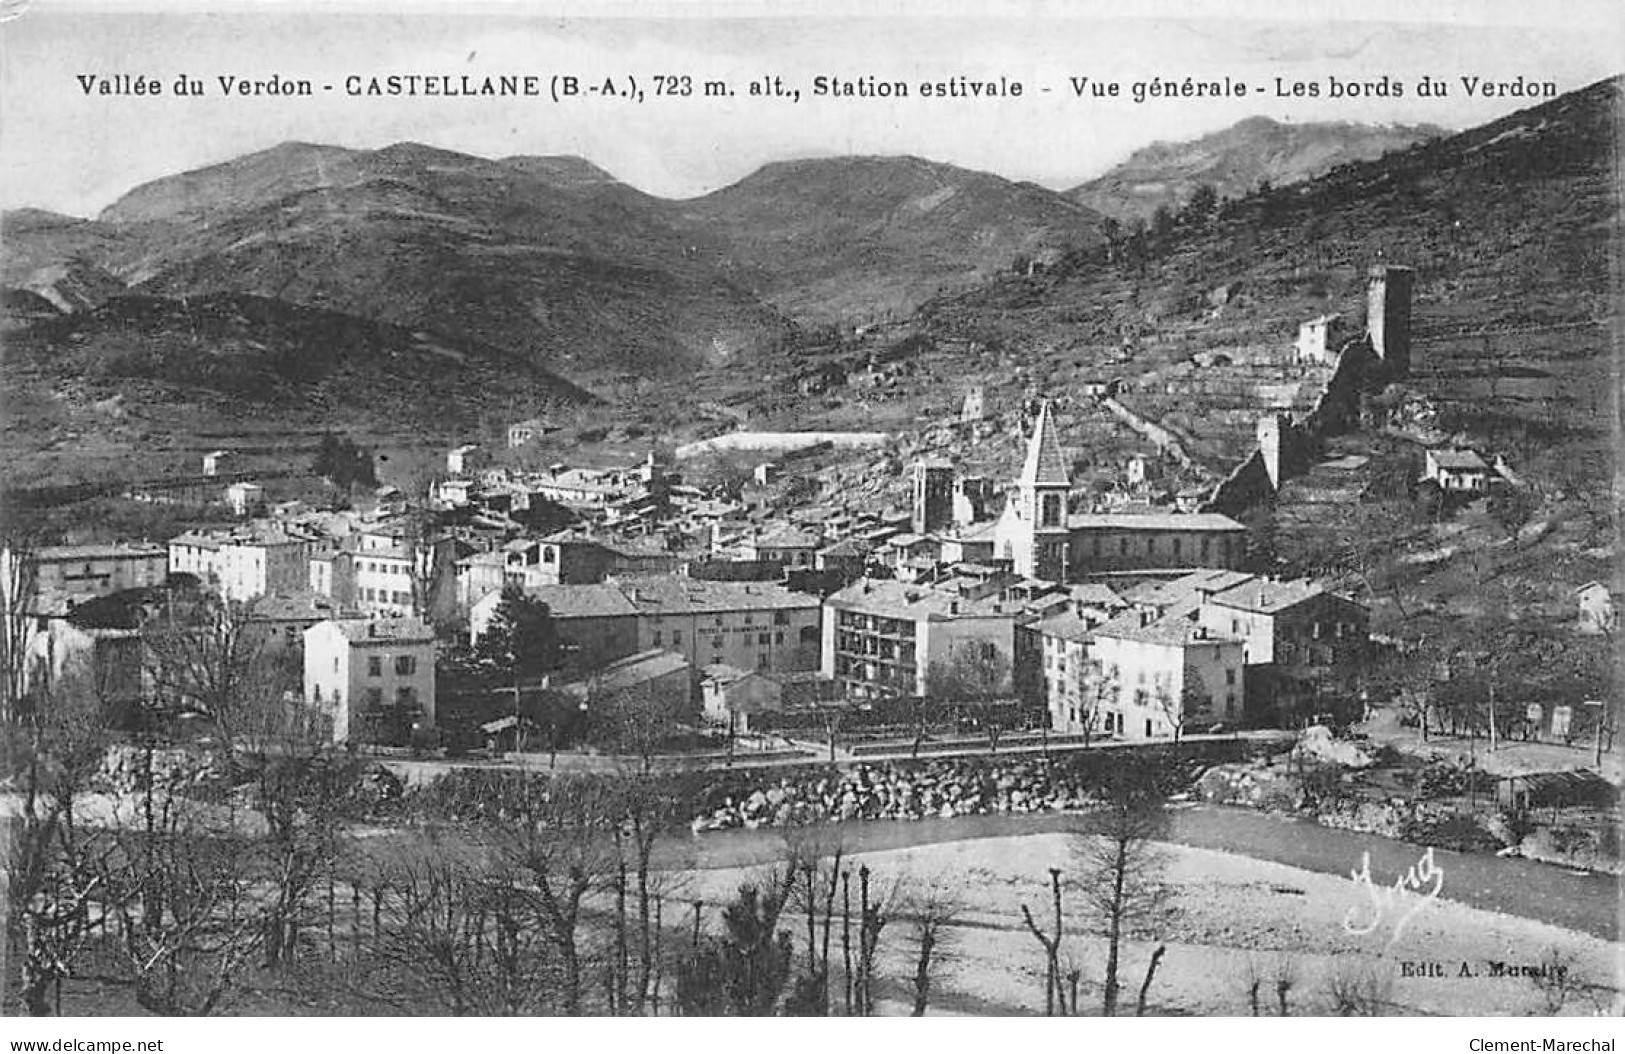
116, 384
1512, 229
867, 236
1237, 159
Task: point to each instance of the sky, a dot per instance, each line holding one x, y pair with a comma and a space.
73, 152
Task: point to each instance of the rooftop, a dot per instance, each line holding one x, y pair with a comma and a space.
1045, 464
901, 600
1176, 631
1460, 460
1269, 596
1153, 521
633, 670
110, 551
397, 630
1066, 625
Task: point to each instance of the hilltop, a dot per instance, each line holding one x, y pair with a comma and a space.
1236, 160
837, 237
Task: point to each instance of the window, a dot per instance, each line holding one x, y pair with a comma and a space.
1230, 676
657, 638
374, 698
1122, 546
375, 666
763, 638
335, 664
781, 618
1177, 544
406, 665
716, 645
406, 696
778, 638
1050, 515
677, 637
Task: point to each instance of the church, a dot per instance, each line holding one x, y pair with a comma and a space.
1041, 540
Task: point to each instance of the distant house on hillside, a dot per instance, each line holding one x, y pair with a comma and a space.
1315, 338
1596, 609
468, 458
1457, 471
522, 432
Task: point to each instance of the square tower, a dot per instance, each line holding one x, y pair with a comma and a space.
933, 496
1388, 316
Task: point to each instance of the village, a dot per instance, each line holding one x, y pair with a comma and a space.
760, 617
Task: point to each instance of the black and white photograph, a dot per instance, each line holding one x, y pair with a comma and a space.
964, 510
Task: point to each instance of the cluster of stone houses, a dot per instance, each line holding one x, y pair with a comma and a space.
753, 606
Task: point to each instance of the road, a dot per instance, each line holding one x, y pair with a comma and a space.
1583, 901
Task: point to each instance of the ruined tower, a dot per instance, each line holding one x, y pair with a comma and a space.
933, 495
1269, 447
973, 408
1388, 316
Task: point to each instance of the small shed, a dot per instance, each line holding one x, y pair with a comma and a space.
732, 695
1556, 790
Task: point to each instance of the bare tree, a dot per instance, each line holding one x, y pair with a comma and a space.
1286, 979
815, 853
18, 583
181, 886
1051, 943
1558, 982
875, 911
461, 924
1120, 862
643, 809
975, 678
304, 793
561, 843
932, 914
1358, 992
634, 720
1150, 974
202, 658
54, 881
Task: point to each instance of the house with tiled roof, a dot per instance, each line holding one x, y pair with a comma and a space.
375, 677
1304, 645
1457, 471
1160, 677
752, 625
881, 636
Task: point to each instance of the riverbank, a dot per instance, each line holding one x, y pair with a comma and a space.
1230, 919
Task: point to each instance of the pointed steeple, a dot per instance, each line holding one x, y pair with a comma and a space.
1045, 466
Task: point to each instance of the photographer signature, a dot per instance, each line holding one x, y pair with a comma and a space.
1408, 894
